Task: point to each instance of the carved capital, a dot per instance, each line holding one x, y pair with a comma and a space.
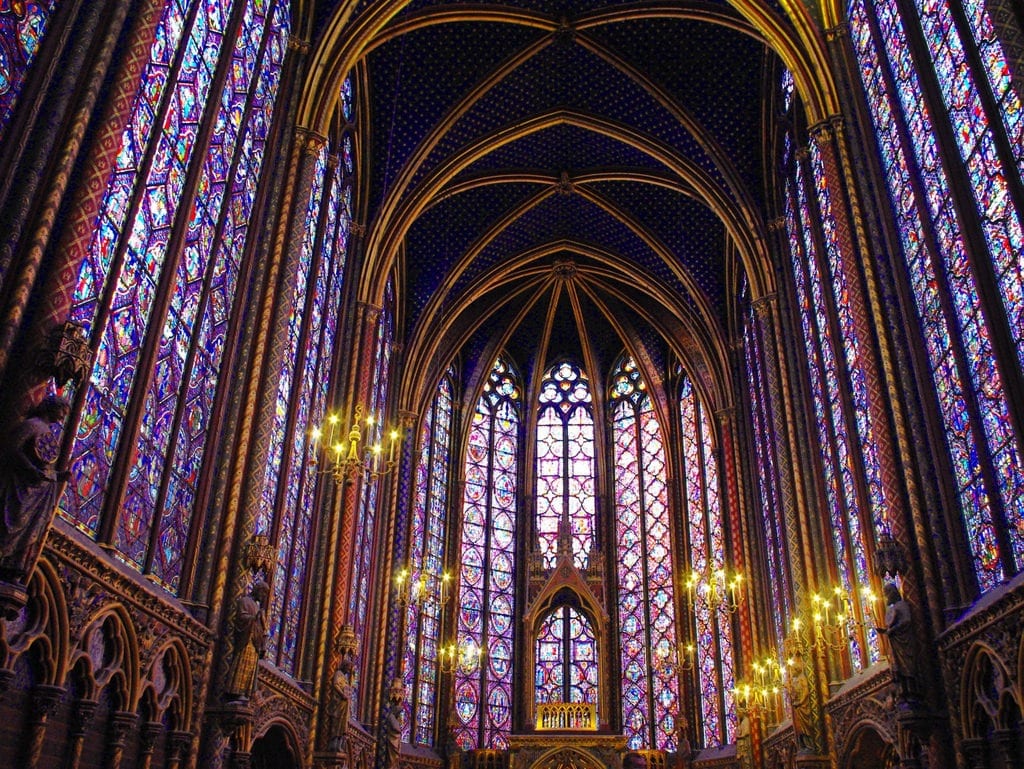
82, 716
309, 141
45, 698
178, 744
764, 306
298, 44
147, 736
121, 723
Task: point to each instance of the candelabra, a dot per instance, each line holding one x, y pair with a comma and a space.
465, 657
349, 458
422, 587
670, 656
718, 588
762, 695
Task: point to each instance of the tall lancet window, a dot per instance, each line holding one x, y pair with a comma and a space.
714, 651
565, 464
647, 621
483, 696
158, 284
427, 573
288, 503
950, 131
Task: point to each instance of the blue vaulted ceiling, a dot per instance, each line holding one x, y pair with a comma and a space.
504, 139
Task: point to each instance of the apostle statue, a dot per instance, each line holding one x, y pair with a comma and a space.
899, 629
799, 689
392, 726
340, 705
249, 630
29, 485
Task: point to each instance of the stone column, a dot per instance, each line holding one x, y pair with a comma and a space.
45, 698
80, 720
121, 724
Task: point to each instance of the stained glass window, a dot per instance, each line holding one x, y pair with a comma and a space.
159, 315
483, 697
646, 596
838, 443
22, 26
428, 572
980, 106
775, 547
566, 657
565, 464
713, 642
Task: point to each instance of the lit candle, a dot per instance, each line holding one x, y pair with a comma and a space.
391, 451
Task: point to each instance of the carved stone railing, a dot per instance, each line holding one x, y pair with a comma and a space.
567, 716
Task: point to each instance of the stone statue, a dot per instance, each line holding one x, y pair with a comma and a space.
340, 704
29, 485
800, 699
249, 628
899, 628
744, 750
393, 732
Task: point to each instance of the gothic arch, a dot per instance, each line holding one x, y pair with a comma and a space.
42, 626
108, 656
988, 698
868, 746
566, 758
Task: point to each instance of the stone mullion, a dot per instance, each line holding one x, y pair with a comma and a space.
39, 82
69, 102
676, 480
800, 563
78, 225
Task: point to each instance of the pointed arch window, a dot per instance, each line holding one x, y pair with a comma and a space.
950, 48
483, 697
429, 530
646, 595
714, 661
565, 464
158, 284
